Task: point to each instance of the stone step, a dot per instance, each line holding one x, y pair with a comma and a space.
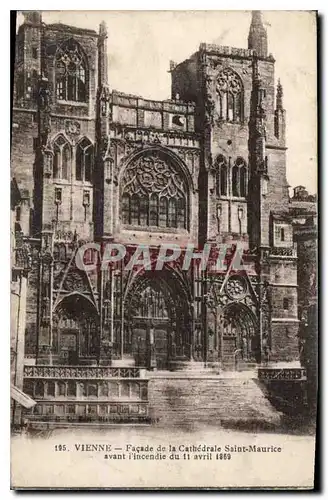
209, 373
174, 401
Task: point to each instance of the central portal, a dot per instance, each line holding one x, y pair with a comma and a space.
150, 343
150, 327
156, 322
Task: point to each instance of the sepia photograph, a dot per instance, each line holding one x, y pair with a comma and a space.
164, 239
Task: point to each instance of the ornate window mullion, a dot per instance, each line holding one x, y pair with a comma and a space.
163, 203
70, 72
230, 95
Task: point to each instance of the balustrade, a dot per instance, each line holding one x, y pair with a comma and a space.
93, 372
86, 412
282, 374
75, 393
284, 251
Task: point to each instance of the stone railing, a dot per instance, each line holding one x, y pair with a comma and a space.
169, 137
282, 373
90, 390
88, 412
284, 251
85, 394
80, 372
225, 50
176, 106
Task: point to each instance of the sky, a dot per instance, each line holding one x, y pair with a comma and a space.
141, 44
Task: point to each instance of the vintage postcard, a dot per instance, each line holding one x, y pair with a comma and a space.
164, 250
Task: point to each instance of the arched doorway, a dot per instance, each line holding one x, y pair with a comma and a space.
157, 320
76, 330
240, 341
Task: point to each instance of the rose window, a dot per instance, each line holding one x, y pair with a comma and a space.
154, 193
236, 287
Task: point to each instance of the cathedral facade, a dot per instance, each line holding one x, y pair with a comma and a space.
205, 167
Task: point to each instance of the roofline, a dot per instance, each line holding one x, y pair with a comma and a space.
75, 29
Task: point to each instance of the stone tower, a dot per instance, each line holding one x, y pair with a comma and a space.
243, 186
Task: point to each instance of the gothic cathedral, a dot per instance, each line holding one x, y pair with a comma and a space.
207, 166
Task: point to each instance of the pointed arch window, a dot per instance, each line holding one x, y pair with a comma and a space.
235, 183
243, 181
230, 107
61, 166
157, 191
239, 179
84, 161
229, 90
66, 160
221, 176
71, 73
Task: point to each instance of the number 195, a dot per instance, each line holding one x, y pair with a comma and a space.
60, 447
